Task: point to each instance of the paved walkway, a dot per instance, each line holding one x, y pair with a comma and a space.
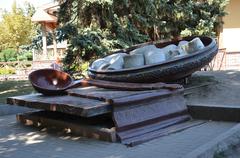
10, 109
17, 141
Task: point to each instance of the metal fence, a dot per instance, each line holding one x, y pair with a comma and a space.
19, 70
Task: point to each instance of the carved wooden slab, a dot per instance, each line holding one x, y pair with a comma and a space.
145, 116
66, 104
104, 94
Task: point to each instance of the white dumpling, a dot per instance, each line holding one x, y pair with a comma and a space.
180, 53
110, 57
193, 46
169, 51
100, 64
134, 60
143, 49
154, 56
116, 63
182, 43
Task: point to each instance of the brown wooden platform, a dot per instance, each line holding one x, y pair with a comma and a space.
66, 104
85, 102
99, 127
138, 116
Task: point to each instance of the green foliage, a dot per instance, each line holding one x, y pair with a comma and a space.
93, 28
11, 55
37, 39
7, 71
25, 56
28, 55
8, 55
16, 28
84, 68
206, 18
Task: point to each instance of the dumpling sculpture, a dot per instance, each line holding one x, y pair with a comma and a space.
180, 52
171, 51
100, 64
143, 49
182, 43
134, 60
147, 55
151, 54
155, 55
111, 62
193, 46
116, 61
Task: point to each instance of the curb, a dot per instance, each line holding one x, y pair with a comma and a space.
215, 112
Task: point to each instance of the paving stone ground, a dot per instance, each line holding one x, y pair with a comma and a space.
9, 109
18, 141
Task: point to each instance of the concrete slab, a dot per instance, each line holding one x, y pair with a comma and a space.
24, 142
225, 90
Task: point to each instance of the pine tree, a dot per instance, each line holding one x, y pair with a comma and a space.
94, 28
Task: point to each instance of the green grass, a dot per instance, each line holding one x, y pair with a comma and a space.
14, 88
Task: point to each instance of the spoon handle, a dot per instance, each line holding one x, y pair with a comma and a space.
124, 85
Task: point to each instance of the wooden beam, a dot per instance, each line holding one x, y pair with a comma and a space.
100, 128
66, 104
44, 39
54, 45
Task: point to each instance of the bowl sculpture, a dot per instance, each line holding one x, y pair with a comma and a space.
166, 71
50, 81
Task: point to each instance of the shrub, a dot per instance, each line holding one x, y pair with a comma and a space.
11, 55
7, 71
8, 55
25, 56
29, 56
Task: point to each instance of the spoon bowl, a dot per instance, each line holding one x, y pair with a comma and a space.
50, 81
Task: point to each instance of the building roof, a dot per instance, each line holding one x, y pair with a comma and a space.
43, 16
46, 13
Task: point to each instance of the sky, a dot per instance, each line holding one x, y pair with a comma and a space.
7, 4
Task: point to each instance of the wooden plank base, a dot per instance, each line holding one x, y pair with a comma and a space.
132, 141
133, 117
100, 128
